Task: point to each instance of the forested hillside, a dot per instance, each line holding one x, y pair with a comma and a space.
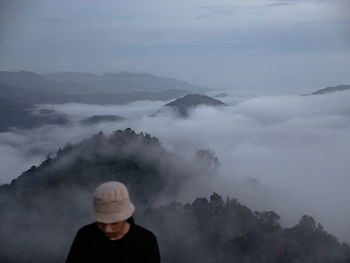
43, 208
218, 230
46, 204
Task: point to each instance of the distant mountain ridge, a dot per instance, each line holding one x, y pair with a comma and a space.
24, 79
124, 82
109, 88
331, 89
36, 96
16, 102
79, 77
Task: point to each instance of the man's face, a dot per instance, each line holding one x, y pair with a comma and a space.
113, 231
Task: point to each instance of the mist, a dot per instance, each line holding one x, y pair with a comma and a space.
283, 153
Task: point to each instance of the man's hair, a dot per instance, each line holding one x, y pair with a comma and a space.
131, 220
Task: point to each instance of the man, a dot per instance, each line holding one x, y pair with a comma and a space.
113, 237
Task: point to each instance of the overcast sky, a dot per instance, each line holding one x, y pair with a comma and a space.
262, 45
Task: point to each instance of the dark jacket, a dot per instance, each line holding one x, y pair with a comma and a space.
91, 245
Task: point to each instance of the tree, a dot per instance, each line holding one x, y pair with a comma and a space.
269, 220
208, 157
307, 223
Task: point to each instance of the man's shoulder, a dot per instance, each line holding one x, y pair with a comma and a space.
143, 232
87, 229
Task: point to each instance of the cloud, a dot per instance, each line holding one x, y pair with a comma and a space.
282, 3
286, 153
221, 9
20, 149
296, 147
52, 20
291, 2
217, 45
204, 16
230, 9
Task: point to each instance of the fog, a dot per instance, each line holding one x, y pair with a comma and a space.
282, 153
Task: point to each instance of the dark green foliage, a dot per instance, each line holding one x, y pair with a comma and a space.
217, 231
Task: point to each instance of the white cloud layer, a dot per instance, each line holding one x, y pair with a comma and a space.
286, 153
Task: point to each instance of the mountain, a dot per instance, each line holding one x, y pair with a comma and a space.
35, 96
184, 104
54, 198
24, 79
78, 77
221, 95
331, 89
23, 115
118, 88
123, 98
124, 82
42, 209
101, 118
32, 81
125, 155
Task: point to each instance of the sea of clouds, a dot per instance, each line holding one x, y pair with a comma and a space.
284, 153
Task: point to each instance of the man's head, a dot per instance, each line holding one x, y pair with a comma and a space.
111, 207
114, 231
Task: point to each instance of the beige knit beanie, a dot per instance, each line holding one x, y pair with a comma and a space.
111, 203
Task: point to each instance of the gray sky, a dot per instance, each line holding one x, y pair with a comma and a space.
261, 45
